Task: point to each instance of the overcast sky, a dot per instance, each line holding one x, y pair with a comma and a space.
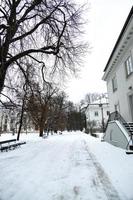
106, 19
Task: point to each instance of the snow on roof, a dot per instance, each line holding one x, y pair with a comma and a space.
103, 100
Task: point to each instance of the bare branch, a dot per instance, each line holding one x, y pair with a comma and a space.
34, 29
8, 98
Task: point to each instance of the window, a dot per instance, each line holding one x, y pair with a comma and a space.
5, 124
114, 84
129, 65
96, 113
108, 113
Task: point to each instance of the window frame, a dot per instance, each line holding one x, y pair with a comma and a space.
129, 66
114, 83
96, 113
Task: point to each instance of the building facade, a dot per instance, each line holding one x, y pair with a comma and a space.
118, 75
10, 118
97, 114
118, 72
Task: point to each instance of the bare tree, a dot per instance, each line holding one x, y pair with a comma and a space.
34, 29
38, 104
18, 91
57, 116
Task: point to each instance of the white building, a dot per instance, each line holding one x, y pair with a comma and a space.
7, 117
118, 74
97, 112
10, 117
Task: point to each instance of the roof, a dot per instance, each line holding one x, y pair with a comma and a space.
103, 100
120, 36
98, 103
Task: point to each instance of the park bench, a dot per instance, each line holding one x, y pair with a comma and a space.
10, 144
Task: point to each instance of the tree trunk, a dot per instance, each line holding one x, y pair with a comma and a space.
21, 120
2, 77
41, 125
41, 132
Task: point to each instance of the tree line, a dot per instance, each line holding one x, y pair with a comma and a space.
50, 111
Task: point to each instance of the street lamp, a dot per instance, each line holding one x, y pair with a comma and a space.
101, 106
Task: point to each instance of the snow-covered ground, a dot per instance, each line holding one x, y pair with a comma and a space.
72, 166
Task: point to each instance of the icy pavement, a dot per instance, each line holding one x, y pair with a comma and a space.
61, 167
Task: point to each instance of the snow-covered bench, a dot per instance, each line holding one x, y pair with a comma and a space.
10, 144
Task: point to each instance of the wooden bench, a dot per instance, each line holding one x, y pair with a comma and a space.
10, 144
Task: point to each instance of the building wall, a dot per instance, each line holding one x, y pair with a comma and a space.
121, 96
9, 121
90, 114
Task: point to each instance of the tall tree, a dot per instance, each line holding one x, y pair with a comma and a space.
76, 120
35, 29
18, 91
57, 116
38, 105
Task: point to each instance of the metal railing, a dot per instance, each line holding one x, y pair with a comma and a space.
116, 116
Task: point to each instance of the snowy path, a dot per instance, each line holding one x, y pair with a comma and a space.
108, 188
57, 168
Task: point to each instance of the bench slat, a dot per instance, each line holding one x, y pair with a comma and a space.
4, 147
7, 141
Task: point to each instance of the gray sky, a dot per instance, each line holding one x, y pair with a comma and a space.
106, 19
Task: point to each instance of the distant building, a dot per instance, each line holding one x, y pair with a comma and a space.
9, 119
97, 114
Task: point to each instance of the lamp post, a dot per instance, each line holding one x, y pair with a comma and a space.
101, 106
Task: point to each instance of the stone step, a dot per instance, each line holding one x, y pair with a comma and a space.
128, 123
129, 152
129, 129
131, 147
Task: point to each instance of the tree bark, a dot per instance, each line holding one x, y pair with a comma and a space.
21, 119
2, 77
41, 132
